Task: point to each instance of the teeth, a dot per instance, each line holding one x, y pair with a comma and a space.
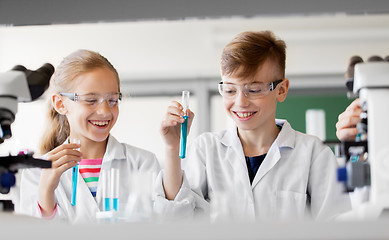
100, 123
244, 115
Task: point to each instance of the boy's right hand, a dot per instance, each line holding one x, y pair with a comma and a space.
171, 125
62, 157
170, 131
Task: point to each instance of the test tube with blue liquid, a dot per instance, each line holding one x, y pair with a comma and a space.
74, 176
105, 178
184, 125
115, 188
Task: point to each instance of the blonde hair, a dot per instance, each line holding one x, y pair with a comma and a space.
72, 66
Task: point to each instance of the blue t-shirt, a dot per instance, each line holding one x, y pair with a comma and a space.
253, 164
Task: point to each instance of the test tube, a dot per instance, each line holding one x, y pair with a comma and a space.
105, 178
115, 188
184, 125
74, 176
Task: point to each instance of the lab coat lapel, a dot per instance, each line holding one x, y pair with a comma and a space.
285, 139
237, 159
231, 140
86, 204
272, 157
114, 151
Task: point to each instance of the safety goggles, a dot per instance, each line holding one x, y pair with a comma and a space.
251, 90
93, 100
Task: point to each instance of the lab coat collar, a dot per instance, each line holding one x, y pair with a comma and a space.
113, 151
286, 138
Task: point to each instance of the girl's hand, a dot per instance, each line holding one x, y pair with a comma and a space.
171, 125
346, 127
62, 157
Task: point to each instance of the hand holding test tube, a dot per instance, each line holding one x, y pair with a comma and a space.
184, 125
74, 177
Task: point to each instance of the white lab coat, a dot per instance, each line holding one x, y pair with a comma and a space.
128, 159
296, 180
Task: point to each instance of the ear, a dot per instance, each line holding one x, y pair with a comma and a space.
283, 88
58, 104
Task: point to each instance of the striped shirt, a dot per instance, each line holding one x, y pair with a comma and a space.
90, 172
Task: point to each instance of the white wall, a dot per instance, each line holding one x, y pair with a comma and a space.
191, 48
183, 50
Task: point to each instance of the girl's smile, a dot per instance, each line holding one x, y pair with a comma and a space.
100, 123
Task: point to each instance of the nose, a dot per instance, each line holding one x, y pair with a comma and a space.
103, 108
241, 99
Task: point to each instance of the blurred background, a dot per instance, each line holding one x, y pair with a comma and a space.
163, 47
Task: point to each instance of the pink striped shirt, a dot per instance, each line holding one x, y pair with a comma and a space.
90, 172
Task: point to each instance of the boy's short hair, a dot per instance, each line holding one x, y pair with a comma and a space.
249, 50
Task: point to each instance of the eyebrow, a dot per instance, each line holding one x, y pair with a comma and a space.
244, 83
93, 93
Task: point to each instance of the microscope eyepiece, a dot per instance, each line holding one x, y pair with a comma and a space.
38, 80
375, 58
47, 69
350, 71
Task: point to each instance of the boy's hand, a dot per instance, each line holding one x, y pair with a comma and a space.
170, 126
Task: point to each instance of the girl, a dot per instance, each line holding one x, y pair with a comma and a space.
84, 97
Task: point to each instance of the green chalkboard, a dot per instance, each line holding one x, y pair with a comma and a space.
294, 107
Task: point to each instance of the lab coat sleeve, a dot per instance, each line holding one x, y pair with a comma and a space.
29, 190
327, 197
186, 205
29, 182
182, 206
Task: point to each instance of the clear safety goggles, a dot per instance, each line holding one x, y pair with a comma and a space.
93, 100
250, 90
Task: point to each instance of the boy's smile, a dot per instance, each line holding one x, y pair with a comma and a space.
244, 115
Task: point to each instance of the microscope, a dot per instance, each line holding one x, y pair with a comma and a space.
367, 157
18, 85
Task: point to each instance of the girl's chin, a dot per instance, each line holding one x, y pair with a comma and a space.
100, 138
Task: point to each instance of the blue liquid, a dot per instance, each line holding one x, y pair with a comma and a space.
184, 134
107, 204
116, 204
74, 185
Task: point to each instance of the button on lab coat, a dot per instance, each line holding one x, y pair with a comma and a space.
127, 158
297, 180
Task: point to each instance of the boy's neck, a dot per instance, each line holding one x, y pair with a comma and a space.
258, 142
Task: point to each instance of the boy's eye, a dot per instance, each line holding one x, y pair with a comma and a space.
91, 100
230, 90
113, 101
255, 90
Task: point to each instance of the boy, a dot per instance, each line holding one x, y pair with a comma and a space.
259, 169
